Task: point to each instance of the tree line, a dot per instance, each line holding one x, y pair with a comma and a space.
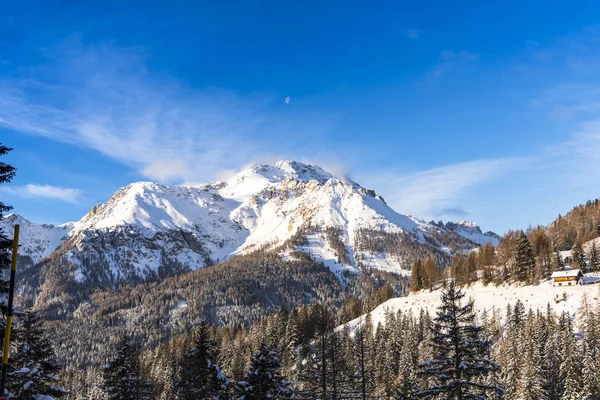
521, 257
304, 353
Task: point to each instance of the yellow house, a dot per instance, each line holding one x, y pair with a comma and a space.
567, 278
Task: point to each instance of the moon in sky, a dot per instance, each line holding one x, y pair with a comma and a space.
287, 100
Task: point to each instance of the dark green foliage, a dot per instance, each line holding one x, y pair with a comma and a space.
201, 377
557, 262
594, 259
524, 260
122, 379
540, 355
578, 257
264, 379
7, 173
34, 367
460, 352
417, 276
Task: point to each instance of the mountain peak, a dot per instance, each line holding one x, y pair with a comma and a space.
472, 231
286, 169
303, 172
258, 177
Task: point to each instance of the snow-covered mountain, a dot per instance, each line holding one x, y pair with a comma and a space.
148, 230
470, 230
36, 240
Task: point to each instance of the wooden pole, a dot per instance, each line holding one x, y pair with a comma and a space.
11, 296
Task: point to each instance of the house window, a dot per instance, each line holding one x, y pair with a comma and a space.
559, 283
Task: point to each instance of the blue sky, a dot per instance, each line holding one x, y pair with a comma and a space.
484, 112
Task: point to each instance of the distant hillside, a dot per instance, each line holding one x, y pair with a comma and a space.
579, 225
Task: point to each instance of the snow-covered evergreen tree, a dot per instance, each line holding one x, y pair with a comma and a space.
557, 262
406, 383
7, 173
364, 359
264, 379
530, 382
552, 385
590, 351
165, 373
524, 260
461, 354
34, 365
578, 257
122, 376
594, 259
315, 369
571, 366
201, 377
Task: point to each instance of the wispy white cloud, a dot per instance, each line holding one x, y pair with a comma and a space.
429, 192
45, 192
104, 98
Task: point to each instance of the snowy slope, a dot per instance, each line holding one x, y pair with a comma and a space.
146, 230
490, 298
149, 208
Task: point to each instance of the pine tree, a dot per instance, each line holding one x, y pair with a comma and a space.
406, 385
122, 375
557, 262
291, 340
165, 372
524, 260
570, 368
363, 360
264, 379
34, 364
530, 382
590, 351
461, 354
578, 257
571, 371
552, 385
315, 369
7, 173
594, 259
417, 276
201, 377
517, 316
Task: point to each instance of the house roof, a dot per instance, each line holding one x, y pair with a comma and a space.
567, 274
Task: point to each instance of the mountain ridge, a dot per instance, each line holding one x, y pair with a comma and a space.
147, 231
